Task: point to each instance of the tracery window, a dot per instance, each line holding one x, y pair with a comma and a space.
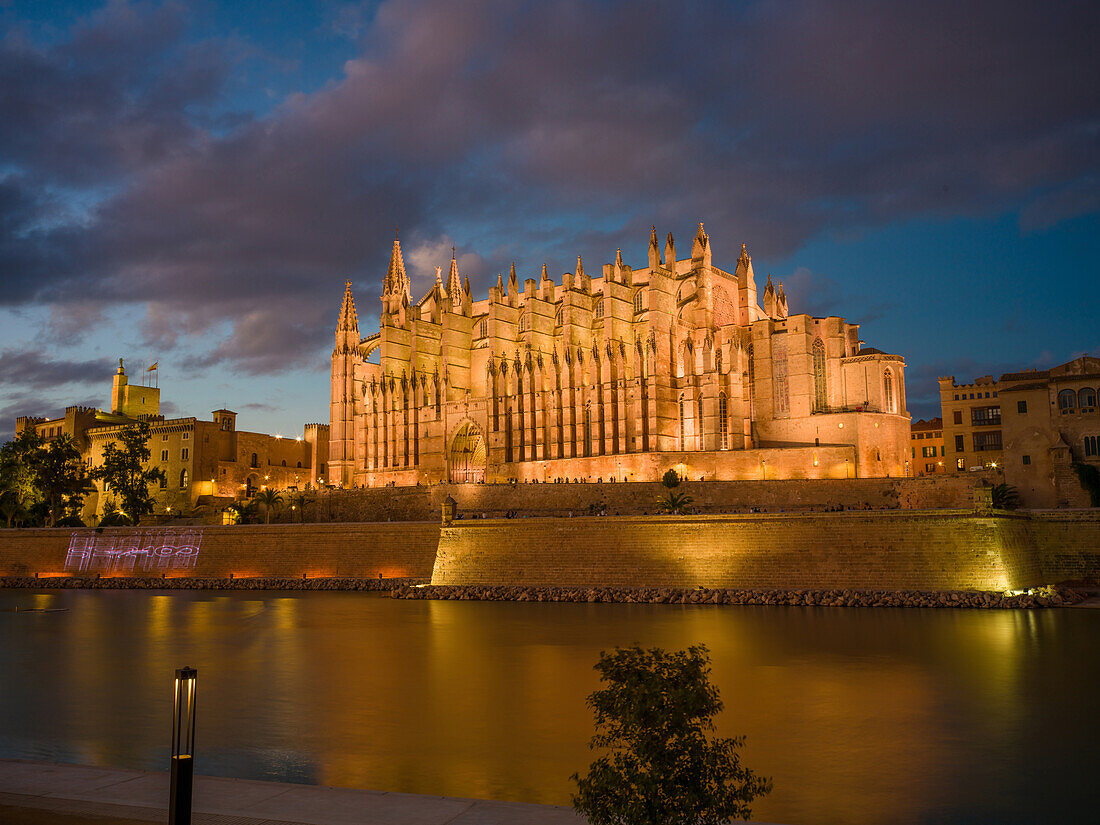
599, 308
484, 331
699, 425
780, 388
558, 315
637, 302
183, 479
752, 382
523, 322
821, 394
888, 391
681, 421
723, 428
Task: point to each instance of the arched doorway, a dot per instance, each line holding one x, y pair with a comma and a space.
467, 456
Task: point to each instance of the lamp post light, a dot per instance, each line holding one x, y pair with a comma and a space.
183, 748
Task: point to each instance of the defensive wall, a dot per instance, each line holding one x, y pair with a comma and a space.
639, 498
392, 551
879, 549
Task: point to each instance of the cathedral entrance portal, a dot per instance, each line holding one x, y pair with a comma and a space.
467, 456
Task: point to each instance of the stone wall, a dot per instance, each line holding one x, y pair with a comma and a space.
345, 550
638, 498
936, 550
880, 549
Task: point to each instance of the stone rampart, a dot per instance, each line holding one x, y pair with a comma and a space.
876, 549
901, 550
404, 550
638, 498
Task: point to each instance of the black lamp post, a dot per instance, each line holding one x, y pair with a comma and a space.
183, 748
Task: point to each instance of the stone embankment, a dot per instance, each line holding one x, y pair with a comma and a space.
183, 583
1039, 597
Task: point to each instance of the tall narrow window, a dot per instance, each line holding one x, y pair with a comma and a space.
888, 391
183, 478
752, 383
780, 389
638, 301
821, 394
523, 322
682, 431
599, 308
718, 360
484, 328
699, 425
723, 429
558, 315
587, 429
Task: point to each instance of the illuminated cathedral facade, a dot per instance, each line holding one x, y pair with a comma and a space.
620, 377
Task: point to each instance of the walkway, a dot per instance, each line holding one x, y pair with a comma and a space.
45, 793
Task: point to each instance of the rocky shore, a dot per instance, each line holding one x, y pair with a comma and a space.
1039, 597
180, 583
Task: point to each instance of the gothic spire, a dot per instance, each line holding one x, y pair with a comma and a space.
580, 268
513, 284
349, 320
396, 280
454, 283
619, 258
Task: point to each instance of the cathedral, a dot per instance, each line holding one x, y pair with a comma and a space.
618, 377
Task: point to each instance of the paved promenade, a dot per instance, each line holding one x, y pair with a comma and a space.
43, 793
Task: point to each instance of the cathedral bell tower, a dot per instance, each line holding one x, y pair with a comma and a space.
342, 408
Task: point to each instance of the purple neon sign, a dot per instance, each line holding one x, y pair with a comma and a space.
154, 550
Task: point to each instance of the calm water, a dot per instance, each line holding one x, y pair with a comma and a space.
860, 716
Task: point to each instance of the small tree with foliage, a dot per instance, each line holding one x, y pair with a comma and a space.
125, 471
271, 500
654, 717
675, 502
63, 481
1005, 497
20, 460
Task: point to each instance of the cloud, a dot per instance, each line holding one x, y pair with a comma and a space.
537, 129
29, 369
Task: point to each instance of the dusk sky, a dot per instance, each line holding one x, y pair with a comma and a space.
192, 182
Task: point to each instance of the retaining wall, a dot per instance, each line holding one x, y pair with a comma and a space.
638, 498
925, 550
878, 549
405, 550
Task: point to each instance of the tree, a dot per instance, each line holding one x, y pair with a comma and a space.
125, 471
654, 716
271, 500
62, 480
675, 501
10, 509
1005, 497
20, 459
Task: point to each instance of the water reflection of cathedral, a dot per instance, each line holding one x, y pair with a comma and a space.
623, 376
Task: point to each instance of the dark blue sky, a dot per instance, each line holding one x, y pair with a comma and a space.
193, 182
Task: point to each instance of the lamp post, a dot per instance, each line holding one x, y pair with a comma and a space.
183, 748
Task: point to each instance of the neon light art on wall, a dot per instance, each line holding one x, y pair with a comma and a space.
150, 550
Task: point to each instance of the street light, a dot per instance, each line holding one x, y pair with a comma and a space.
183, 748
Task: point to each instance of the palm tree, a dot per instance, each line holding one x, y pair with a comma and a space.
674, 503
271, 500
11, 509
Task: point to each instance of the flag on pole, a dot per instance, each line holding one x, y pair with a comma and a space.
150, 369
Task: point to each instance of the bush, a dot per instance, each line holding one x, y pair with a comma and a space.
670, 479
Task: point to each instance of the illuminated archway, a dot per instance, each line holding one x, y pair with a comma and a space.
467, 455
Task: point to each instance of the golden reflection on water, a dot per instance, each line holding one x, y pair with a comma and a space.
858, 715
